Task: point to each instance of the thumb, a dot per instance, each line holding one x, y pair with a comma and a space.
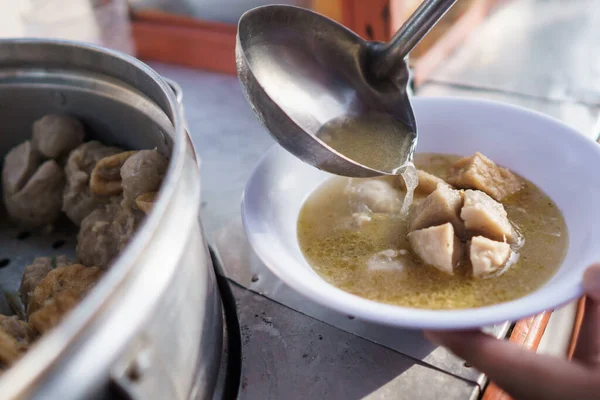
521, 373
591, 282
588, 342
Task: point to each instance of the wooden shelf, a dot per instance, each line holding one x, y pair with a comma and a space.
194, 43
184, 41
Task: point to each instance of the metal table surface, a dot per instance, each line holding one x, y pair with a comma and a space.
287, 354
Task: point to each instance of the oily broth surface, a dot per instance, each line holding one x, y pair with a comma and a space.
339, 254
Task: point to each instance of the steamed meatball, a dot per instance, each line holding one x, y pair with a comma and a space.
10, 350
18, 329
32, 192
78, 201
53, 310
373, 195
105, 233
39, 202
105, 179
142, 173
15, 338
58, 293
54, 136
20, 164
34, 273
78, 278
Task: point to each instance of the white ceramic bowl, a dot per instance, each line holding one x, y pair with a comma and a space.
560, 161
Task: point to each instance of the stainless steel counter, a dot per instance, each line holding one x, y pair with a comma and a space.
533, 53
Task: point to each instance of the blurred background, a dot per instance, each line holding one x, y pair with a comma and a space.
104, 22
133, 26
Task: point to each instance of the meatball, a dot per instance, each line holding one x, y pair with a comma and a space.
142, 173
105, 233
20, 164
9, 350
105, 179
54, 136
32, 276
39, 202
76, 277
15, 338
78, 200
53, 310
32, 195
61, 261
373, 195
20, 330
34, 273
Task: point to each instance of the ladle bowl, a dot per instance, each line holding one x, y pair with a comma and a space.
300, 71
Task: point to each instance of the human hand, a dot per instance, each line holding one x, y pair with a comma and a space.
524, 374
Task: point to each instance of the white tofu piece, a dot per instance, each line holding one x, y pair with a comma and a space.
373, 195
441, 206
427, 182
389, 260
487, 256
480, 173
437, 246
360, 219
485, 216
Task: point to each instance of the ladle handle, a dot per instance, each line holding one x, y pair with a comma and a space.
392, 53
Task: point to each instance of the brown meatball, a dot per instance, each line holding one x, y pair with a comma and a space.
55, 136
78, 201
9, 350
61, 261
32, 195
39, 202
53, 310
34, 273
18, 329
19, 165
15, 338
76, 277
143, 172
105, 233
105, 179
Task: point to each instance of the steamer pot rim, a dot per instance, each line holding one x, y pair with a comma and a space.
55, 344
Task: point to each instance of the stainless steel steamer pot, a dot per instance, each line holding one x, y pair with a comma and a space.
152, 327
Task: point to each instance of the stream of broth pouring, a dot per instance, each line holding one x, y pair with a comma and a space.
408, 172
378, 141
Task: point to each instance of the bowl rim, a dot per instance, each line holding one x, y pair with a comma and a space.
332, 297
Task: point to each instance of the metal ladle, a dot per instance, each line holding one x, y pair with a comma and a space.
303, 73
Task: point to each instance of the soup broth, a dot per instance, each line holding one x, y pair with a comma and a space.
356, 261
376, 140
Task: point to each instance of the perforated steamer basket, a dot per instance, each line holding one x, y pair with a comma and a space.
152, 326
